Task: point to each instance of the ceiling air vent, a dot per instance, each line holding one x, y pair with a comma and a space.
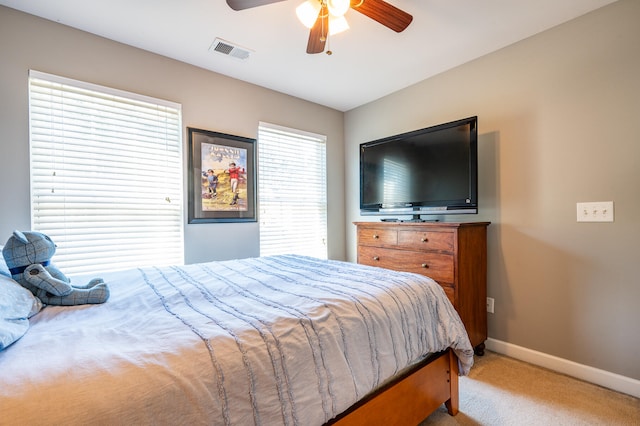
227, 48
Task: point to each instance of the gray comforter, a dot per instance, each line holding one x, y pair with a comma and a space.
275, 340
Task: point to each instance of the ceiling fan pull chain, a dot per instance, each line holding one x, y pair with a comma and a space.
324, 33
325, 30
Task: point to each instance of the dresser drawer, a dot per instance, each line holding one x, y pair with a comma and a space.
426, 240
377, 236
438, 266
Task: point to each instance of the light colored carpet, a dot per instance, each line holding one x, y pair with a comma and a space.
504, 391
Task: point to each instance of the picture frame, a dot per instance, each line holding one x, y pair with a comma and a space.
221, 177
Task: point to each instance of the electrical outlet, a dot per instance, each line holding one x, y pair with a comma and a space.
490, 303
598, 211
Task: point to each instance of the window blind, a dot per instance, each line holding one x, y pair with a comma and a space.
292, 191
106, 175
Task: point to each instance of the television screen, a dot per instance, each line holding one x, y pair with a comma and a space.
427, 171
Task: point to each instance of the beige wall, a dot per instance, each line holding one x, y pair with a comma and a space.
209, 101
558, 122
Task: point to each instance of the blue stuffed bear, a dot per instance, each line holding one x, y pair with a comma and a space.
28, 256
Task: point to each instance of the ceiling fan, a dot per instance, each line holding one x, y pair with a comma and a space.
378, 10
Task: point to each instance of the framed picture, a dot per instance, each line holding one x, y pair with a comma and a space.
222, 177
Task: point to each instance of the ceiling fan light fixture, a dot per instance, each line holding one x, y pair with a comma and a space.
337, 24
307, 12
338, 7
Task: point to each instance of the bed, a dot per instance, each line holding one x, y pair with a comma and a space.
287, 339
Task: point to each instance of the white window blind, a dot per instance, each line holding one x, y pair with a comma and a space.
292, 191
106, 175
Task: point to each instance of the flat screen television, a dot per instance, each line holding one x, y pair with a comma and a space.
431, 171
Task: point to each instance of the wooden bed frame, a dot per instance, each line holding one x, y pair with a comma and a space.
410, 398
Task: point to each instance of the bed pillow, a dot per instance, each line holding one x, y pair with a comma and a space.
17, 305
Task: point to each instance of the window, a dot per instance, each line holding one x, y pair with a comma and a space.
106, 175
292, 191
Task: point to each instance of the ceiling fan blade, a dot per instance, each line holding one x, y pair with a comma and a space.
248, 4
319, 31
383, 12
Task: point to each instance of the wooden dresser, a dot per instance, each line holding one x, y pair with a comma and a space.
453, 254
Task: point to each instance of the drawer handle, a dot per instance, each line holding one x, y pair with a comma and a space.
424, 265
375, 236
424, 239
376, 258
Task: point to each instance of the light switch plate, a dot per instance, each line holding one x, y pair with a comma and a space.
597, 211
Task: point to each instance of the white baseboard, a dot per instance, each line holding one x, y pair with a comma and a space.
603, 378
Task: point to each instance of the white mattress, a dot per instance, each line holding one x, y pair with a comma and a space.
274, 340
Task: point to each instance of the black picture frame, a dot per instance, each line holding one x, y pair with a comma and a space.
220, 199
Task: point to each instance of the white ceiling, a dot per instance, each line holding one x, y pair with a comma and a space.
369, 60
